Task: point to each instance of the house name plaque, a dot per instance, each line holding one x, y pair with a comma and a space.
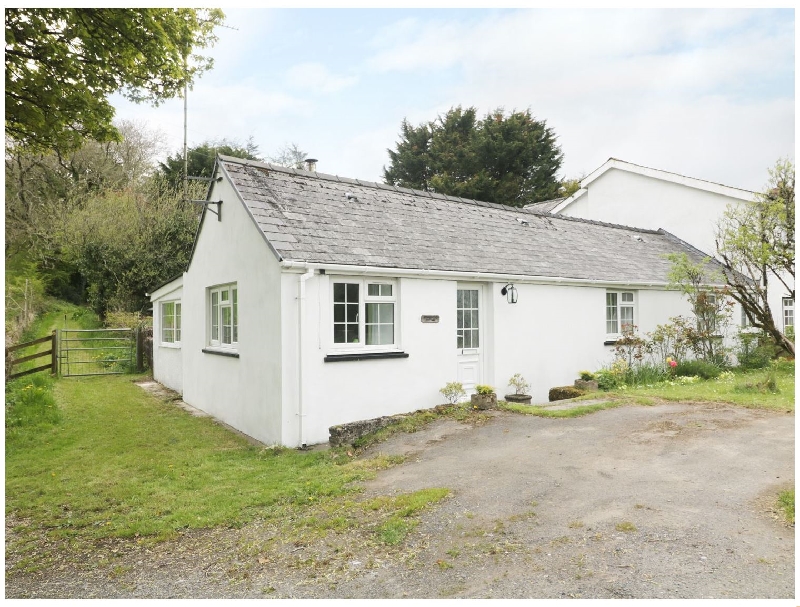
430, 318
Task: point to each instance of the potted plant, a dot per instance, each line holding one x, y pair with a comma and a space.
587, 381
520, 388
484, 397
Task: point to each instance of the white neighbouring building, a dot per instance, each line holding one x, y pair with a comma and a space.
313, 300
633, 195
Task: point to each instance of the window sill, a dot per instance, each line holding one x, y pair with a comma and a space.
171, 345
218, 352
333, 358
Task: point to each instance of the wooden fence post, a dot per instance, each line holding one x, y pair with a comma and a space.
54, 360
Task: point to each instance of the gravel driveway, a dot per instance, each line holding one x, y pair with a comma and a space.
666, 501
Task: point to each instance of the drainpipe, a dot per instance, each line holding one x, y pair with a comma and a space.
302, 310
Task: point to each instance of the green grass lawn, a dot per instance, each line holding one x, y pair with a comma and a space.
118, 462
745, 388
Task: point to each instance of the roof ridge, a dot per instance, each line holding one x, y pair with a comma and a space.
641, 166
427, 194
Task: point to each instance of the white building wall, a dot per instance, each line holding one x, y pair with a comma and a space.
630, 199
346, 391
553, 332
690, 213
167, 357
244, 392
548, 336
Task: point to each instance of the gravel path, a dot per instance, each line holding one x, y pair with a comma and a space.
668, 501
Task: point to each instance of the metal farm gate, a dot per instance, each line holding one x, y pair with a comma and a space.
96, 351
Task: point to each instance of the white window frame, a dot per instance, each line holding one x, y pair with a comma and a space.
619, 304
787, 306
216, 317
174, 340
364, 298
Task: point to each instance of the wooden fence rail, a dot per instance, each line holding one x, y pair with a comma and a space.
52, 366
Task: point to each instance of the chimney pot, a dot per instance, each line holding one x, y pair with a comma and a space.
311, 164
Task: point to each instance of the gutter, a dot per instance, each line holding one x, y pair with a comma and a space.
301, 311
298, 266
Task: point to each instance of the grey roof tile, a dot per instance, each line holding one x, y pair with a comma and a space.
307, 217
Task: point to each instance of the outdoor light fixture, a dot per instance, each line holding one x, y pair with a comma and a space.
510, 291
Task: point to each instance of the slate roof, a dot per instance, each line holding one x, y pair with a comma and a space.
545, 206
320, 218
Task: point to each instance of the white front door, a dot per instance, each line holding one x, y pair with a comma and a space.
468, 336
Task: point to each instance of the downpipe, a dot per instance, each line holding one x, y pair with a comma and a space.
300, 334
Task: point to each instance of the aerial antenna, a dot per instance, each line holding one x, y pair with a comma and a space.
186, 177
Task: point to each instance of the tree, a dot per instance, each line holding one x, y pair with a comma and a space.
511, 159
711, 306
290, 155
203, 156
63, 63
45, 193
755, 241
122, 242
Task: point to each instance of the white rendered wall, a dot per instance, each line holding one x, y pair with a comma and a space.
167, 358
691, 214
548, 336
631, 199
243, 392
346, 391
553, 332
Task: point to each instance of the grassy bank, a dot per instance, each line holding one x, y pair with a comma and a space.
771, 389
115, 462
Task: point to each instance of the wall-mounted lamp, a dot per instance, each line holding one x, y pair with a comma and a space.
510, 291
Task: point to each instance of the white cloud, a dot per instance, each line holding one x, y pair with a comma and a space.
316, 77
709, 94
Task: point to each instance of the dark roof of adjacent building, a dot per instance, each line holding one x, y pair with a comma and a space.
318, 218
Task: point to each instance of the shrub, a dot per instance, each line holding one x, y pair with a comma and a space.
587, 375
519, 384
484, 389
631, 347
453, 392
606, 380
699, 368
755, 350
564, 392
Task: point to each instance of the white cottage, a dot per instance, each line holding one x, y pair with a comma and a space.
633, 195
313, 300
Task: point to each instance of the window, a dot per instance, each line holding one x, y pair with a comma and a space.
745, 321
788, 312
171, 322
364, 313
224, 316
619, 311
467, 331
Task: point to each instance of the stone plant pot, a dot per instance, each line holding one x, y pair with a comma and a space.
587, 384
484, 401
525, 399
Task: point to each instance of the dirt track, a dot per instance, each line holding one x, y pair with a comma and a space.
670, 501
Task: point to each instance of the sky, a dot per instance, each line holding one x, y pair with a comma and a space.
704, 93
